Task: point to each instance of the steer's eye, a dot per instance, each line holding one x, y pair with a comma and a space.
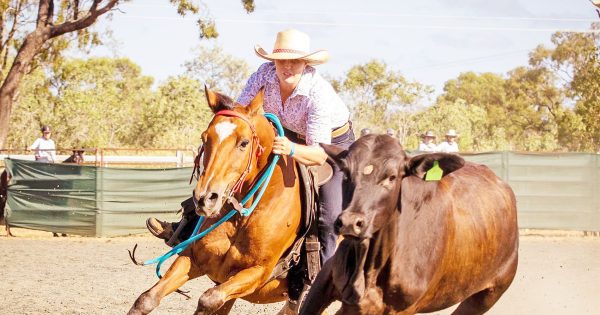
244, 143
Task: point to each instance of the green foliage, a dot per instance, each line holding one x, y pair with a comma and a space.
89, 103
380, 98
218, 70
176, 116
574, 63
468, 120
104, 102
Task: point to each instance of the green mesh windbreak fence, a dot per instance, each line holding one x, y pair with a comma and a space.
92, 201
554, 191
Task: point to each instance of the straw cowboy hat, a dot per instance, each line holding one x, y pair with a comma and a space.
428, 134
451, 133
293, 44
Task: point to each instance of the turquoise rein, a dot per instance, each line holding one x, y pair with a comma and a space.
262, 183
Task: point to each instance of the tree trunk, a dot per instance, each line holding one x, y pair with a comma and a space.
30, 48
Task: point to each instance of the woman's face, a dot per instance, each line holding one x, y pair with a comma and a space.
289, 72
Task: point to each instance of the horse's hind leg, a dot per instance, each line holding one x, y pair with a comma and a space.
179, 273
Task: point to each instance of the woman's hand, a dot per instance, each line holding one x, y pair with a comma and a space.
282, 145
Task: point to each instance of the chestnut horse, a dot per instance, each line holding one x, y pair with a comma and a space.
240, 254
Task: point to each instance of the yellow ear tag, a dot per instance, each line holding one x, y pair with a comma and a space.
435, 172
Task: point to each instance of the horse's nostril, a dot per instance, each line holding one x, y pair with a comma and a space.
213, 197
359, 223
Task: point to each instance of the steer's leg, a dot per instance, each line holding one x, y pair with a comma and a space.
321, 292
179, 273
482, 301
241, 284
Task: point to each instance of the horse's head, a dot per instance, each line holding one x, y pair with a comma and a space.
78, 156
237, 143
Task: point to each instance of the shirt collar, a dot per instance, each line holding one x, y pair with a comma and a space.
304, 85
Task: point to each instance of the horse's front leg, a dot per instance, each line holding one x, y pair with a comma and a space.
179, 273
241, 284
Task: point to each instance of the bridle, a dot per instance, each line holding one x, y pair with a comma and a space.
237, 187
256, 191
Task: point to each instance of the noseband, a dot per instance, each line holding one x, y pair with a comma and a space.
258, 189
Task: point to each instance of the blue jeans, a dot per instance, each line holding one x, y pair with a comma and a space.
331, 202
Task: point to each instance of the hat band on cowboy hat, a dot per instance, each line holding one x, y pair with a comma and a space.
293, 44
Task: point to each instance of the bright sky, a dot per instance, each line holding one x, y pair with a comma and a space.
430, 41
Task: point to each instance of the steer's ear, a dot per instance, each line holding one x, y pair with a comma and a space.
420, 164
336, 154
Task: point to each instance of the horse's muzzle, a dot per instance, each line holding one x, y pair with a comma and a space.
208, 204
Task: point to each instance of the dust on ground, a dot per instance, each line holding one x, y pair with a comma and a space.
41, 274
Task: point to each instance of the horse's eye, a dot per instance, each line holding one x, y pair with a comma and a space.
244, 143
392, 178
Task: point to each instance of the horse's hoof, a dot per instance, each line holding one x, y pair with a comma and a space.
210, 301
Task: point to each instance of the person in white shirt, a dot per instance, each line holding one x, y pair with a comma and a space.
45, 148
450, 144
428, 144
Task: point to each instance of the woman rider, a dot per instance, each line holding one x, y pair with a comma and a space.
311, 112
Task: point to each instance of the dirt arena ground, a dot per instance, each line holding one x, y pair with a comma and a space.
40, 274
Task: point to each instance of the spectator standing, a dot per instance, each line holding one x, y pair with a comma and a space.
450, 144
45, 148
428, 142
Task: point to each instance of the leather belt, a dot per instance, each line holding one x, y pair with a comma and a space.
336, 132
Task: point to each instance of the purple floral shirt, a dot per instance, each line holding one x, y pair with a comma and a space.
313, 110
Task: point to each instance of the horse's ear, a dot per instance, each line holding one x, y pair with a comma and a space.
336, 154
216, 101
256, 105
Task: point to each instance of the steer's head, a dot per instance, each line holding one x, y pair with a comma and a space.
374, 167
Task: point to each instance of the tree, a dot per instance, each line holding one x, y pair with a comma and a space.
575, 62
89, 103
175, 117
50, 22
381, 98
469, 121
36, 31
218, 70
